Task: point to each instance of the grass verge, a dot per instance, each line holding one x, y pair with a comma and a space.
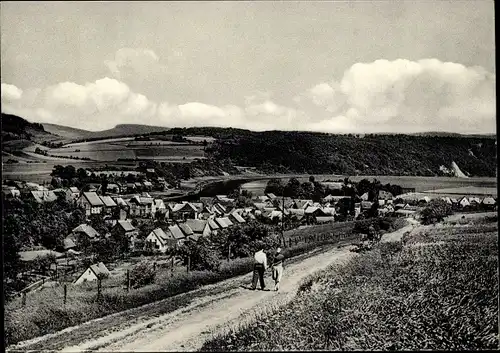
443, 295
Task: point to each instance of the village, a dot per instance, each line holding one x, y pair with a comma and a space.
122, 207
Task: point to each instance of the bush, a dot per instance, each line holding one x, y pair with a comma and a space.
142, 274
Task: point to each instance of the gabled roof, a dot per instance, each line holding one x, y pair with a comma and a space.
196, 225
44, 196
224, 222
176, 232
68, 243
107, 201
260, 205
99, 269
329, 210
271, 196
197, 205
184, 207
159, 203
74, 189
160, 235
148, 183
126, 225
302, 203
311, 210
489, 200
297, 211
237, 217
474, 199
213, 225
185, 229
120, 202
86, 229
93, 199
364, 197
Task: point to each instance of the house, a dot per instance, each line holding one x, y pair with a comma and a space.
214, 227
176, 233
72, 193
488, 203
11, 192
314, 212
159, 240
223, 198
476, 201
184, 211
199, 227
92, 273
91, 202
463, 202
302, 204
206, 212
185, 229
141, 206
69, 243
223, 222
446, 199
125, 230
148, 185
236, 218
271, 196
329, 211
43, 196
364, 197
109, 204
86, 231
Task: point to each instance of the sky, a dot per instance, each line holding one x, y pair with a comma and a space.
337, 66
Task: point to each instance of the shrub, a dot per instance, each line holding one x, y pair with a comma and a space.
142, 274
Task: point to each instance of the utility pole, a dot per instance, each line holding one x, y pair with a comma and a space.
283, 218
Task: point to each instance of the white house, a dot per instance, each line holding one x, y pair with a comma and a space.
72, 193
92, 273
464, 202
159, 240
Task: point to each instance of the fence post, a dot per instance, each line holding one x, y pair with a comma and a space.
65, 293
189, 263
128, 280
24, 298
154, 266
98, 288
289, 242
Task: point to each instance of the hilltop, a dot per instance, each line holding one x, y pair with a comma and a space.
118, 131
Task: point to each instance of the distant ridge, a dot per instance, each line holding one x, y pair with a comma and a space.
119, 130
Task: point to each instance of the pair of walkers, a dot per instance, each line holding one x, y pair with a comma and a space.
260, 266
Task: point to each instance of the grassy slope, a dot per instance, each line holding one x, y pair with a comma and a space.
423, 295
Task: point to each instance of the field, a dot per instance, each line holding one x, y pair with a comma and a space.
421, 184
435, 290
113, 149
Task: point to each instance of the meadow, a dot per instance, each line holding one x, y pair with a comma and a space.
437, 289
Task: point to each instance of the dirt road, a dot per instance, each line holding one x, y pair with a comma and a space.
188, 328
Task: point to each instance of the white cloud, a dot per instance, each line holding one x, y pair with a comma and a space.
10, 92
133, 62
382, 96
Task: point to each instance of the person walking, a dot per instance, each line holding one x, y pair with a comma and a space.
259, 266
278, 268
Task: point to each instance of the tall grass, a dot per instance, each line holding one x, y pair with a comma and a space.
439, 296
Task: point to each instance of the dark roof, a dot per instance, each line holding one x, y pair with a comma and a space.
93, 199
213, 225
196, 225
108, 201
176, 232
237, 217
86, 229
126, 225
185, 229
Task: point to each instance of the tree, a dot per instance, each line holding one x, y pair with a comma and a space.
311, 179
81, 174
436, 211
274, 186
307, 190
292, 188
104, 184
